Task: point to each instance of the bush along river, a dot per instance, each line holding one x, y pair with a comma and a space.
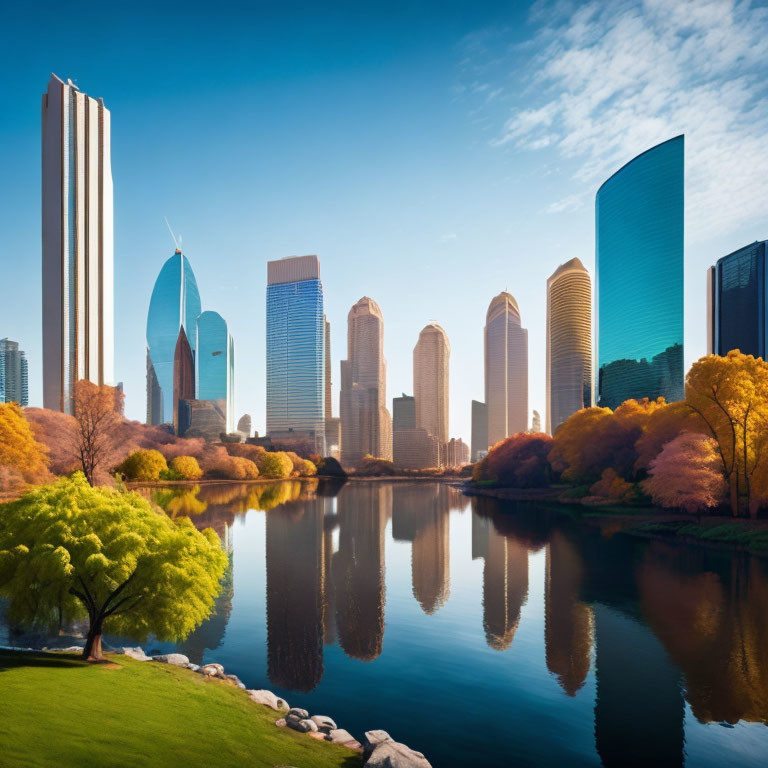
481, 631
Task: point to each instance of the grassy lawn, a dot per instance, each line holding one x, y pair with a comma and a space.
59, 711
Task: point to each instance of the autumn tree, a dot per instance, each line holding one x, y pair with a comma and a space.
730, 396
185, 467
233, 468
98, 414
663, 425
22, 458
687, 474
275, 465
143, 465
518, 461
70, 552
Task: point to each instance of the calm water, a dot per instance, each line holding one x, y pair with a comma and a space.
485, 633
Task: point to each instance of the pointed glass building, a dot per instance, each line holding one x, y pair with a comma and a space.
215, 363
175, 304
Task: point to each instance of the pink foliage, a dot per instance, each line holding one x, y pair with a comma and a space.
58, 433
687, 474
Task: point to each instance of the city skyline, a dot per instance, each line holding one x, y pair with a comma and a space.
523, 195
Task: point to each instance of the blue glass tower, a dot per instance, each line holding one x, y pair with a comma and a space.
736, 301
295, 347
639, 271
175, 304
215, 363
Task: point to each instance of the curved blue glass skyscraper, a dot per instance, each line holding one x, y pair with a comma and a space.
639, 271
215, 362
175, 303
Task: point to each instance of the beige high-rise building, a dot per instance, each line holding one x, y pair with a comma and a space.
78, 303
431, 358
366, 425
506, 369
569, 342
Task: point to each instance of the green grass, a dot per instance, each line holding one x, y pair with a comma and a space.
754, 540
59, 711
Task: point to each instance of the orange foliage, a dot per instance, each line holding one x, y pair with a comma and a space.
22, 458
233, 468
518, 461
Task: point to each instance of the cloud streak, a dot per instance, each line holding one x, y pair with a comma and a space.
609, 80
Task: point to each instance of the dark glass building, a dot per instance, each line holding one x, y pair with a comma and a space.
736, 288
14, 374
639, 275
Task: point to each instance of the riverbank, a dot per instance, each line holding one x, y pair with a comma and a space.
740, 534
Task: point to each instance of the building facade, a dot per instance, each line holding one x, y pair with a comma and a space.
569, 343
366, 426
215, 364
736, 311
431, 363
14, 374
183, 378
295, 347
506, 369
175, 305
479, 442
639, 234
77, 236
456, 453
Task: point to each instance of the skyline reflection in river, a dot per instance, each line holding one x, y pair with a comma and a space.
477, 628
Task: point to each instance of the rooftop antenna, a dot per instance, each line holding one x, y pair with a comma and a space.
176, 242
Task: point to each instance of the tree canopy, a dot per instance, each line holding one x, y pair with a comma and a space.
22, 458
70, 552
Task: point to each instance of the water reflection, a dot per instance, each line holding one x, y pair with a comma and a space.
651, 625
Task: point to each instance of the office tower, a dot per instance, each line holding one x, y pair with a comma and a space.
295, 348
456, 453
215, 364
366, 425
175, 305
183, 377
244, 425
78, 294
14, 374
736, 312
332, 424
506, 369
569, 343
479, 430
403, 412
639, 272
202, 418
412, 447
431, 357
327, 385
535, 422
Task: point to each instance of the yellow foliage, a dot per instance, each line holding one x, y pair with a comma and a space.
186, 467
21, 456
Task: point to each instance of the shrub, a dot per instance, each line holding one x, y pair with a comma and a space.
233, 468
301, 467
186, 467
330, 467
143, 465
277, 465
246, 451
611, 486
518, 461
22, 458
370, 466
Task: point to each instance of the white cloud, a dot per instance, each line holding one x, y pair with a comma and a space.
609, 80
446, 238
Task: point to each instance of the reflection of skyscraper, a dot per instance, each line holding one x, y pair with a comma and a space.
569, 342
431, 358
639, 271
215, 363
639, 706
295, 595
295, 348
736, 302
568, 621
78, 293
365, 421
175, 304
506, 369
358, 569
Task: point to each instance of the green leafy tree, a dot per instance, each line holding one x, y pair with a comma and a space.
70, 552
186, 467
276, 465
144, 465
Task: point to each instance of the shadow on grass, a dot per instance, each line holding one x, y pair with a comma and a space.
16, 659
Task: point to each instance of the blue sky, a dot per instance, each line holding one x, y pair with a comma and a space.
432, 155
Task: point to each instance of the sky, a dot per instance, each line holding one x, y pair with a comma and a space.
431, 154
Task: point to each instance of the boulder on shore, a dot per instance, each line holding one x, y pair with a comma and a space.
268, 698
345, 738
177, 659
324, 723
211, 670
302, 726
392, 754
302, 714
136, 653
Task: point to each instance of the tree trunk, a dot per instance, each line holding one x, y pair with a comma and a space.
734, 487
92, 650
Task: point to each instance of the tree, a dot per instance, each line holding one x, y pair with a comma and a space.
186, 467
233, 468
663, 425
275, 465
611, 486
98, 413
22, 458
687, 474
70, 552
143, 465
518, 461
730, 396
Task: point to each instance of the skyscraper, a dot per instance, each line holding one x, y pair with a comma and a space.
639, 256
327, 383
736, 306
78, 311
431, 358
215, 363
175, 304
183, 378
479, 430
295, 347
506, 369
365, 421
569, 342
14, 374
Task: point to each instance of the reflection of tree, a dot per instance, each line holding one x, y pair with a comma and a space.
295, 600
358, 569
715, 630
568, 622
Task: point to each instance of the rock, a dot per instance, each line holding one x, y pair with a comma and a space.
193, 667
298, 724
268, 699
319, 735
324, 723
392, 754
377, 737
212, 670
280, 723
69, 649
345, 738
311, 724
302, 714
236, 680
177, 659
136, 653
